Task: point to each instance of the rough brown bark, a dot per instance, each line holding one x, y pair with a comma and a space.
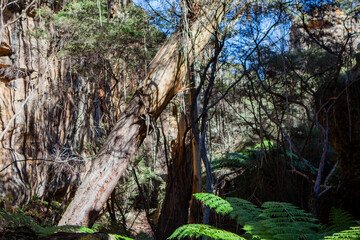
163, 81
174, 212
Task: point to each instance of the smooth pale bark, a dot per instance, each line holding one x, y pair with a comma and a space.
166, 73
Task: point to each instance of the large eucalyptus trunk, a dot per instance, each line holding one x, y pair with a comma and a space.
166, 73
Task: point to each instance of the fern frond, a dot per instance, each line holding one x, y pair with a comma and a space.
266, 144
118, 237
340, 220
231, 161
20, 220
214, 202
282, 221
200, 230
351, 234
244, 211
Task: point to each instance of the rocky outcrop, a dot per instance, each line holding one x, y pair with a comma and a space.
50, 117
327, 26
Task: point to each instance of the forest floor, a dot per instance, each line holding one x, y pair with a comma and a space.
141, 225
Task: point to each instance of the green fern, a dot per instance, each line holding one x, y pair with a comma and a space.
20, 220
275, 221
230, 161
283, 221
214, 202
266, 144
118, 237
340, 220
244, 212
200, 230
351, 234
247, 157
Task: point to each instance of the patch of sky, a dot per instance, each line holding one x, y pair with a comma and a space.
248, 35
165, 15
311, 4
256, 29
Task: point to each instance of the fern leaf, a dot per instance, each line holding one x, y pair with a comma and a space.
118, 237
200, 230
244, 211
19, 220
353, 233
340, 220
231, 161
282, 221
214, 202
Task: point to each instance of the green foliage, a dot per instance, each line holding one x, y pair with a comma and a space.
20, 220
118, 237
231, 161
200, 230
283, 221
214, 202
86, 30
244, 159
265, 144
275, 220
339, 220
244, 211
353, 233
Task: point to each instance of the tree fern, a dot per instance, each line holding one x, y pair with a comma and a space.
351, 234
244, 211
17, 220
214, 202
283, 221
340, 220
275, 221
20, 220
243, 159
200, 230
230, 161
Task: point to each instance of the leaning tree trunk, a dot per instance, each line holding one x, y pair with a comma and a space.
166, 73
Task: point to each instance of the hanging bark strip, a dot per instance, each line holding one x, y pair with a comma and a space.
166, 73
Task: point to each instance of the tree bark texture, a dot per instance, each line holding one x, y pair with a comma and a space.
163, 81
195, 205
174, 211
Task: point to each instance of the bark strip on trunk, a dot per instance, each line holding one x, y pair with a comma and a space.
166, 73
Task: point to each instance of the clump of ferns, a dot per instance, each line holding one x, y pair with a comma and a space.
274, 220
339, 220
247, 159
19, 220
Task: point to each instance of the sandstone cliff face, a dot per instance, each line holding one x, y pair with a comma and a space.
328, 26
49, 116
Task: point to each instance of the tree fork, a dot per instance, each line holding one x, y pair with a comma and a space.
163, 81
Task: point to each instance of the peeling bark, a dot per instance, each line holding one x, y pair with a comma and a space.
166, 73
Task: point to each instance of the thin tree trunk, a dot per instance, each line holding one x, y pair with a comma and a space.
166, 72
195, 205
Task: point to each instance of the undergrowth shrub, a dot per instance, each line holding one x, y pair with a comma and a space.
274, 220
20, 220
